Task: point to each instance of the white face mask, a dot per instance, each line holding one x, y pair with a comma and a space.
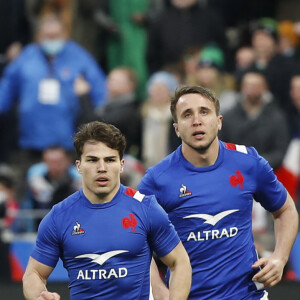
52, 46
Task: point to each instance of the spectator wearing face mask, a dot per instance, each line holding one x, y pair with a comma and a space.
46, 83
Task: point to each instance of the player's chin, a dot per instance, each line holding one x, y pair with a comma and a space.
102, 189
202, 146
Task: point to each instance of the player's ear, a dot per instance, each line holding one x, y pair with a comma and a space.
122, 165
78, 166
220, 120
175, 125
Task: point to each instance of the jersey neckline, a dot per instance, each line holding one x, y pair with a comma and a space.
114, 201
191, 167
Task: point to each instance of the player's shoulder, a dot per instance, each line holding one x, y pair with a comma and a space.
138, 197
67, 203
240, 150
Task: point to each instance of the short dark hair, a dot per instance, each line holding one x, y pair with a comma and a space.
206, 93
106, 133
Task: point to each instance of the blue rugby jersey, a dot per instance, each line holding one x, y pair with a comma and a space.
211, 209
106, 248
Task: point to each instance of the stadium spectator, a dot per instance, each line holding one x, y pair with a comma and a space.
92, 16
211, 74
288, 40
80, 17
189, 64
41, 80
63, 8
257, 121
158, 138
183, 25
51, 180
268, 61
14, 18
15, 32
123, 107
244, 59
128, 46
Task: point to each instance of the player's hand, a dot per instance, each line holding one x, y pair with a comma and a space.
271, 272
45, 295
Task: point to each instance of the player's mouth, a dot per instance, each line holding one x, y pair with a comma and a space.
199, 134
102, 181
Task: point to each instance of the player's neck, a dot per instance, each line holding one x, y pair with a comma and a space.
203, 157
100, 198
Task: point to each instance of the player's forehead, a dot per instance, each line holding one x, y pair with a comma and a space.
98, 149
193, 102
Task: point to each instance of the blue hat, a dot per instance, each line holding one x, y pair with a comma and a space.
166, 78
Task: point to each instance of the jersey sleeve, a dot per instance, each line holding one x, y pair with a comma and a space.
270, 192
46, 249
163, 238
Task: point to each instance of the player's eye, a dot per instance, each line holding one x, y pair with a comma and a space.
92, 160
110, 159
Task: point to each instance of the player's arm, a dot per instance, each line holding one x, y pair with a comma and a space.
159, 289
286, 227
181, 272
34, 281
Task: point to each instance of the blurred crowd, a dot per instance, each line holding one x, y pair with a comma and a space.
67, 62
